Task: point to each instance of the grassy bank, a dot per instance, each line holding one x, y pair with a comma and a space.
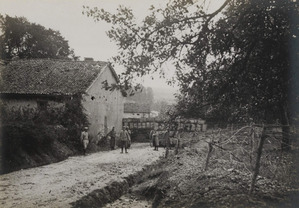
29, 145
182, 180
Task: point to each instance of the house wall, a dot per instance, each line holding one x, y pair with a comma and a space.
136, 115
27, 106
19, 104
103, 108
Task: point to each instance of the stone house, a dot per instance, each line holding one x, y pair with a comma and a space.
136, 110
48, 85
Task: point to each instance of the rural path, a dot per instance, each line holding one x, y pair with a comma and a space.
59, 184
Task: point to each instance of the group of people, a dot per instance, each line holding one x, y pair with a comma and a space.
154, 137
125, 139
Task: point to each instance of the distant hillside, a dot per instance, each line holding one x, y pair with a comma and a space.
166, 94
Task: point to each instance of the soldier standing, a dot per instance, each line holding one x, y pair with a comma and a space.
129, 137
151, 137
84, 139
123, 140
156, 140
112, 135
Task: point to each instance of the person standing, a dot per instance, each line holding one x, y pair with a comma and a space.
112, 135
156, 140
166, 138
123, 140
151, 137
129, 137
84, 139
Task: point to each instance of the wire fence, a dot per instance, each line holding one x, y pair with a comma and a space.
253, 149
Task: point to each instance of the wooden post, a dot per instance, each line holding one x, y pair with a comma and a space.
167, 152
251, 144
286, 143
208, 155
258, 159
176, 151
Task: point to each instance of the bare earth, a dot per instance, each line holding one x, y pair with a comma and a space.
59, 184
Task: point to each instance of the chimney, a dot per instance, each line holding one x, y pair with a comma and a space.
88, 59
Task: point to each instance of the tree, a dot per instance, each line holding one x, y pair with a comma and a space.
142, 95
237, 63
165, 110
23, 39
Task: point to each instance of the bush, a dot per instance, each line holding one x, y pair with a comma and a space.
31, 137
30, 145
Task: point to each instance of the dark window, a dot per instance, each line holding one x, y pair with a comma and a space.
42, 105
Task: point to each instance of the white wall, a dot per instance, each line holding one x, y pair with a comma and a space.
100, 103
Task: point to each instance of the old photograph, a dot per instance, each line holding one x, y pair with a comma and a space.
149, 103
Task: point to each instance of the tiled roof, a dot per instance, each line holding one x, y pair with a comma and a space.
48, 76
136, 108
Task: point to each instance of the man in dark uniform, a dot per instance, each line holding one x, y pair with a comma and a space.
112, 135
123, 140
84, 139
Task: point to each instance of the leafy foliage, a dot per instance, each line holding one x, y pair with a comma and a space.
166, 111
236, 63
34, 137
23, 39
75, 118
24, 147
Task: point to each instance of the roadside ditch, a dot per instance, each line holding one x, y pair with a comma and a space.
116, 189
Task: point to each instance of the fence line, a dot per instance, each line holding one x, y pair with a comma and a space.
254, 141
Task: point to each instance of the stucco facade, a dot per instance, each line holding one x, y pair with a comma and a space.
104, 108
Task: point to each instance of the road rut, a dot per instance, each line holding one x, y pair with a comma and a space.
59, 184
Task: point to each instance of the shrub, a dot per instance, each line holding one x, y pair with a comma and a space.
29, 145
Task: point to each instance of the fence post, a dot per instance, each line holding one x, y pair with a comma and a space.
167, 152
176, 151
258, 160
251, 144
208, 155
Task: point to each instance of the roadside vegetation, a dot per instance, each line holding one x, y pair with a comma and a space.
223, 177
31, 138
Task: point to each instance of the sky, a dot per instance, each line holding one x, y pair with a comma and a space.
86, 37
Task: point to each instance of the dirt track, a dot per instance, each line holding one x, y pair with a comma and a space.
59, 184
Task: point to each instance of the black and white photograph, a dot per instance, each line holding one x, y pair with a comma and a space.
149, 103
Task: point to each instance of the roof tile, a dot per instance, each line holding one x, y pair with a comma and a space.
136, 108
48, 76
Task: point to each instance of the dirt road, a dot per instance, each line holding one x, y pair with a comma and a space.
59, 184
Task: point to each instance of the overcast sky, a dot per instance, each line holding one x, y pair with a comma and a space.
86, 37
